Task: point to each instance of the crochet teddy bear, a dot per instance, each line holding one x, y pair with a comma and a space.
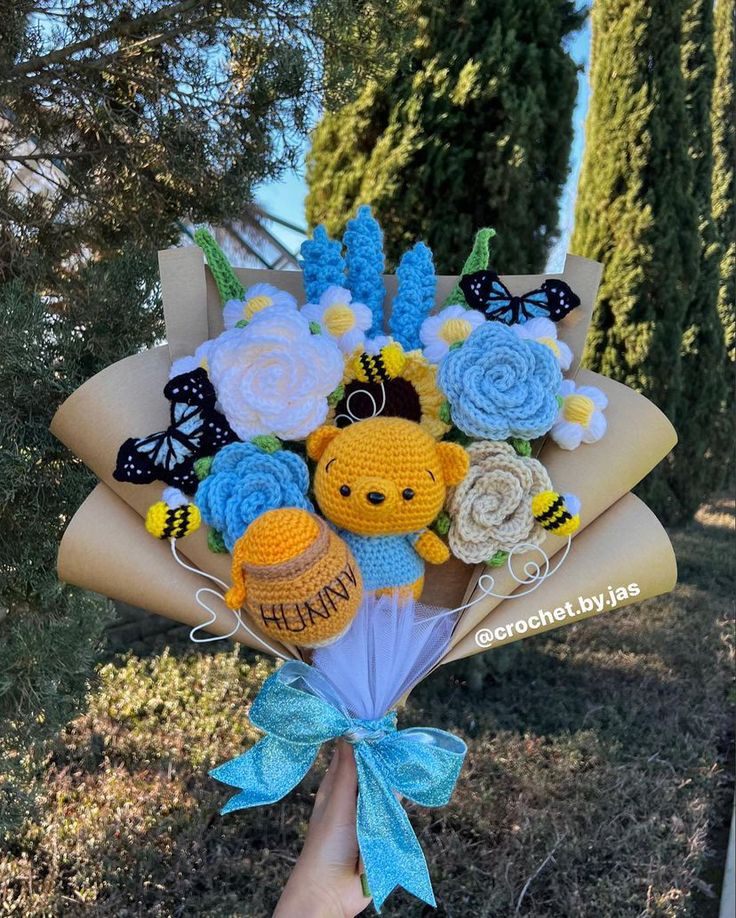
382, 482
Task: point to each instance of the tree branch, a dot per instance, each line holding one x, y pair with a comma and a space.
119, 29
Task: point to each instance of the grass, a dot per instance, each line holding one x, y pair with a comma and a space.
598, 779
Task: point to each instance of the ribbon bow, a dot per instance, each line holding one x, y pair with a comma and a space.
299, 709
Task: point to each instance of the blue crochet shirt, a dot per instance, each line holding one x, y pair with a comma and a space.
385, 561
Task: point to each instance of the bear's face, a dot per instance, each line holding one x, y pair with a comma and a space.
383, 476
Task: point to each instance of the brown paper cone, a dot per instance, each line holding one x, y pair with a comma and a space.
105, 549
125, 400
627, 545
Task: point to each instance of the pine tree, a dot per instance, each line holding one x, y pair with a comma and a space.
49, 633
471, 127
635, 211
724, 165
698, 462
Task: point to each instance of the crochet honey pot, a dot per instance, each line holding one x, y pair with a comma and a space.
295, 577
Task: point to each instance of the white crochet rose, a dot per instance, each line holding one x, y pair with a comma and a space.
273, 376
491, 508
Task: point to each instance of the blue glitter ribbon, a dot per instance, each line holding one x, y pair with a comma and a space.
299, 709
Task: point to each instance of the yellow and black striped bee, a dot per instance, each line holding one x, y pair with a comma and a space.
379, 368
557, 513
173, 517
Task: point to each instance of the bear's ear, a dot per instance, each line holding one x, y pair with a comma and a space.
319, 440
455, 462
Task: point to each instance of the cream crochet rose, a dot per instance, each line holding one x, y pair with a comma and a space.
491, 509
273, 376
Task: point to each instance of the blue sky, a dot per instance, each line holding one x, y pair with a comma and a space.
285, 198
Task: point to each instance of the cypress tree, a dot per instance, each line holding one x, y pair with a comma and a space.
724, 165
635, 211
698, 465
471, 126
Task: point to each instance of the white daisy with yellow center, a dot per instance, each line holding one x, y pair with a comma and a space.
255, 300
581, 418
451, 326
545, 332
345, 321
195, 361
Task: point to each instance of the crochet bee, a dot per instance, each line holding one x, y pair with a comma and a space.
172, 517
557, 513
379, 368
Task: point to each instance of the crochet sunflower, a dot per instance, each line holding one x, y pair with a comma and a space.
390, 382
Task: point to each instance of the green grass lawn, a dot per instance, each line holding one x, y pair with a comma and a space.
598, 779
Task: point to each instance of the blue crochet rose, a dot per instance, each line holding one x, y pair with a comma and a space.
244, 482
499, 385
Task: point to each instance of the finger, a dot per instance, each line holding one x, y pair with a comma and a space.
325, 789
340, 809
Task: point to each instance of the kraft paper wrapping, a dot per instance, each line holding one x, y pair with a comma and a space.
125, 400
639, 436
103, 551
627, 545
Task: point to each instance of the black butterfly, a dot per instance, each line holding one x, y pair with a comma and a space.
485, 292
197, 429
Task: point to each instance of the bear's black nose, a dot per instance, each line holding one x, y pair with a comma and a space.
375, 497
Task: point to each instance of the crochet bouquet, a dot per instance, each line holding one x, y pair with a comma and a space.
376, 473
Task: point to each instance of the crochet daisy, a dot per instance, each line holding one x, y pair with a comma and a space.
581, 418
450, 326
256, 298
192, 361
340, 318
545, 332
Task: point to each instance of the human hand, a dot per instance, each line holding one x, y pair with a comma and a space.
325, 883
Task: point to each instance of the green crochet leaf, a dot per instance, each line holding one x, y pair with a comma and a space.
336, 395
442, 523
498, 559
216, 543
315, 328
476, 261
522, 447
267, 442
445, 414
228, 285
202, 467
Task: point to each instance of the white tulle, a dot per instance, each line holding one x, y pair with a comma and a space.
391, 644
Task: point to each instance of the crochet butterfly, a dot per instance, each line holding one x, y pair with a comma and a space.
486, 292
196, 430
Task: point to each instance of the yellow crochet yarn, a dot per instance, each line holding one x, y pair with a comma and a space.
165, 522
383, 476
295, 577
551, 511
